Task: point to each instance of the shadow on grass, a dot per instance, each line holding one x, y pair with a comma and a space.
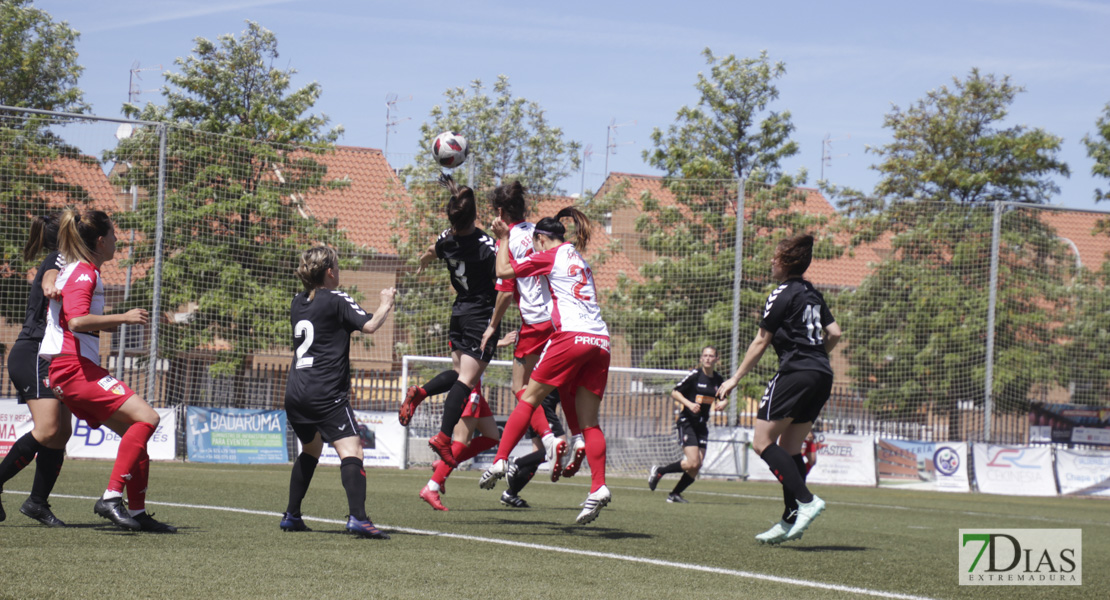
827, 548
607, 533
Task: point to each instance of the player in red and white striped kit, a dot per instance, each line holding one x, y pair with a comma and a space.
577, 355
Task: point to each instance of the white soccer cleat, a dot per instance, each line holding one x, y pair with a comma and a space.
496, 471
807, 512
549, 444
577, 456
593, 505
776, 534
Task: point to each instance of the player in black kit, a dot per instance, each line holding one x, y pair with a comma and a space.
697, 394
470, 256
317, 394
798, 323
46, 442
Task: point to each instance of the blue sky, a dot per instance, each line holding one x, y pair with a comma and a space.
589, 64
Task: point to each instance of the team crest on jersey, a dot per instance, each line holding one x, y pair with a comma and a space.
107, 382
118, 389
84, 277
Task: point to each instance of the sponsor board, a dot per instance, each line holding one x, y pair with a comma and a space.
15, 421
1014, 470
1021, 557
1069, 423
841, 460
381, 436
235, 435
939, 466
104, 443
1083, 473
727, 452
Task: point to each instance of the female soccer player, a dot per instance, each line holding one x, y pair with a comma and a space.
28, 371
575, 359
798, 323
469, 254
88, 240
317, 397
696, 393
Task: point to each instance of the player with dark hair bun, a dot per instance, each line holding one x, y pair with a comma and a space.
798, 323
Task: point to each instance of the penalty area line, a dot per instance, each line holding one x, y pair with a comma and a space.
548, 548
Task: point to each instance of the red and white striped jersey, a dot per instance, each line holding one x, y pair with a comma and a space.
573, 294
82, 294
533, 294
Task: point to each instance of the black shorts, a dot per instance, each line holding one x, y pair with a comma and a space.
799, 395
466, 332
693, 433
29, 372
548, 405
338, 424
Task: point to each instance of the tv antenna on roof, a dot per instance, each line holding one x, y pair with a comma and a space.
391, 120
611, 140
587, 152
826, 151
134, 89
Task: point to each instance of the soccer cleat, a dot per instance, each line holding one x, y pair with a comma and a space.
807, 512
365, 529
149, 525
653, 477
578, 453
593, 505
558, 453
413, 397
776, 534
674, 498
113, 510
293, 522
510, 499
441, 445
432, 498
496, 471
40, 511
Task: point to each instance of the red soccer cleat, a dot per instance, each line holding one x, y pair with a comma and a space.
559, 453
413, 397
577, 456
441, 445
432, 497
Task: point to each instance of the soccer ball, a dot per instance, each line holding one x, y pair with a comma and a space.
449, 149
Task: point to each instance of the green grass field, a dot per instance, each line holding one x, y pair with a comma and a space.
869, 543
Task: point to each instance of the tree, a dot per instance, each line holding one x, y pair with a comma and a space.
683, 299
509, 138
1098, 148
38, 70
239, 161
916, 328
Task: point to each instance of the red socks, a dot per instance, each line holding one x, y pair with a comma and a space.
514, 429
132, 450
136, 488
477, 446
539, 422
595, 453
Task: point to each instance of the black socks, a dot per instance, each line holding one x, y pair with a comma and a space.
303, 468
354, 483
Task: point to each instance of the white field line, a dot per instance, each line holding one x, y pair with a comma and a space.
546, 548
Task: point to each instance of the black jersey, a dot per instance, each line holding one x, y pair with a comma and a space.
701, 388
797, 315
471, 261
320, 376
34, 324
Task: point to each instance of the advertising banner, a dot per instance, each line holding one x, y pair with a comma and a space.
938, 466
1069, 424
1014, 470
104, 443
841, 460
15, 420
382, 439
235, 435
727, 452
1083, 473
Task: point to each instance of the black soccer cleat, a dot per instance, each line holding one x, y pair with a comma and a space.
149, 525
293, 522
510, 499
113, 510
365, 529
653, 477
674, 498
40, 511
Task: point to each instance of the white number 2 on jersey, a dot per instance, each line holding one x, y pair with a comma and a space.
812, 318
303, 327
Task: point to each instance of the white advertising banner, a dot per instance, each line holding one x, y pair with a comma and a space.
727, 452
15, 421
104, 443
382, 440
1083, 473
841, 460
937, 466
1014, 470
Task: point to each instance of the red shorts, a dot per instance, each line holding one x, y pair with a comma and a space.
87, 389
572, 360
476, 406
531, 339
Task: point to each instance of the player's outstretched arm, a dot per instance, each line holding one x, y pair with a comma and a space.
386, 305
751, 359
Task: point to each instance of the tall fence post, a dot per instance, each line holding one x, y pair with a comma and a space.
988, 384
156, 308
738, 272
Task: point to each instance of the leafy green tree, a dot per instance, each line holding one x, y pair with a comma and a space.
38, 70
683, 299
916, 328
240, 157
508, 138
1098, 148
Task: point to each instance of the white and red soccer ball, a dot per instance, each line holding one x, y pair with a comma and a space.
449, 149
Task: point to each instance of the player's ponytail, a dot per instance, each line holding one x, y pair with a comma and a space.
461, 208
44, 234
315, 263
583, 228
79, 232
509, 198
795, 254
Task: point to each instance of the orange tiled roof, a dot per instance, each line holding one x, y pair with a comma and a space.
1079, 228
